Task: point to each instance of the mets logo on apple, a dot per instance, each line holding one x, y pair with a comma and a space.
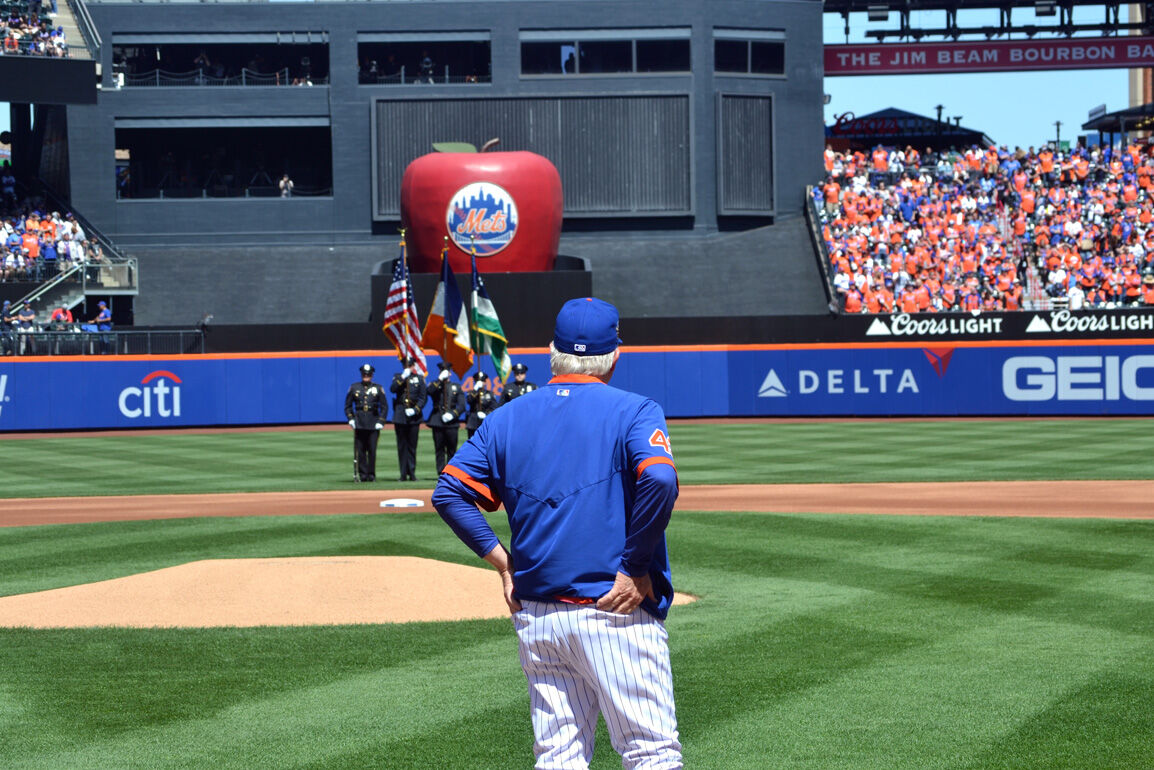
482, 215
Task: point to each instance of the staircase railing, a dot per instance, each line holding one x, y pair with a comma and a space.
87, 27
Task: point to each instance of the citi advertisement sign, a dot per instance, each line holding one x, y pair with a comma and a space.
159, 394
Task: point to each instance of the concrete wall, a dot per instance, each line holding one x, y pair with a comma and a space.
347, 217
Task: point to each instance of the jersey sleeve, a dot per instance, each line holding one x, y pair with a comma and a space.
464, 484
650, 458
647, 442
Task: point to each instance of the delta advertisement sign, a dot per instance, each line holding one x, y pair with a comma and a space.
989, 56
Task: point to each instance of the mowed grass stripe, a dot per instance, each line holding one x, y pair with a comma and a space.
944, 450
295, 721
918, 707
755, 452
1091, 726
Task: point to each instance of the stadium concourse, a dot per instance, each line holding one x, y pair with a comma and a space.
989, 229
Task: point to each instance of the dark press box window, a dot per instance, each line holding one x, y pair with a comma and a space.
766, 58
758, 57
542, 58
663, 56
605, 56
731, 55
597, 57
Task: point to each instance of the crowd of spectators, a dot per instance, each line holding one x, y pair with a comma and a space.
32, 34
36, 244
954, 231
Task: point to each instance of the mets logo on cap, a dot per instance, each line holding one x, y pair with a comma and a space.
483, 215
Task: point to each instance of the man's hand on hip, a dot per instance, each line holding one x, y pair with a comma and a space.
626, 594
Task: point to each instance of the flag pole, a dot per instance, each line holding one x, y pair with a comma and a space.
444, 260
473, 301
405, 275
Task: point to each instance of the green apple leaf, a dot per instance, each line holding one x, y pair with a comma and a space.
454, 147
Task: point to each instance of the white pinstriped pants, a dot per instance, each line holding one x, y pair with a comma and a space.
580, 661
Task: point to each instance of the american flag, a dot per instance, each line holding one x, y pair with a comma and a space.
401, 324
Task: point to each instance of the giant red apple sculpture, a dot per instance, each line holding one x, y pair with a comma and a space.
506, 205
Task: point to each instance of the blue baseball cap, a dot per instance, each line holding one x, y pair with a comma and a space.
586, 327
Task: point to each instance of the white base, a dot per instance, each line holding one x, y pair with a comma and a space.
402, 502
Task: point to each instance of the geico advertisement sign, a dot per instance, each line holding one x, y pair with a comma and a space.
159, 394
1078, 378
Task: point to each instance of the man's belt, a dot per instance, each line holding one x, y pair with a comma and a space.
575, 599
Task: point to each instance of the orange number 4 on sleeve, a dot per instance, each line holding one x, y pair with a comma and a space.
660, 439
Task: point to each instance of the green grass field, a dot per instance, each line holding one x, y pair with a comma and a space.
818, 452
818, 641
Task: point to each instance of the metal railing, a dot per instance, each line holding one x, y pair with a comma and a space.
84, 340
813, 220
114, 275
407, 77
197, 78
87, 27
225, 190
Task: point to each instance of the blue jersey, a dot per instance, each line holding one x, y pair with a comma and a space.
586, 475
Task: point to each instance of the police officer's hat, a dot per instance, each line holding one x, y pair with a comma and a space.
367, 369
407, 361
444, 365
520, 368
480, 376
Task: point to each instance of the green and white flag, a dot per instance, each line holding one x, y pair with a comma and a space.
487, 335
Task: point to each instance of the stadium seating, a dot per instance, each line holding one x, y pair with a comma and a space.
988, 229
29, 35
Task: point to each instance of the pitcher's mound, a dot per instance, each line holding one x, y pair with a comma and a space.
308, 591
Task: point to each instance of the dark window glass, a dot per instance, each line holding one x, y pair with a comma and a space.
731, 56
663, 56
230, 162
767, 58
462, 61
605, 56
217, 63
543, 58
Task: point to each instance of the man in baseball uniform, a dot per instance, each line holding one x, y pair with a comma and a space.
586, 475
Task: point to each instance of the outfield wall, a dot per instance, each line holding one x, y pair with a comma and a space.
1095, 377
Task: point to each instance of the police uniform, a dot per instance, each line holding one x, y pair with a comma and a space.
366, 410
445, 418
7, 329
515, 388
481, 401
409, 398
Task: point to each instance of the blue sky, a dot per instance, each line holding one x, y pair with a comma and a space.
1011, 108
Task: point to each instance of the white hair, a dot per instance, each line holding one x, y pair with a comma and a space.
567, 363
